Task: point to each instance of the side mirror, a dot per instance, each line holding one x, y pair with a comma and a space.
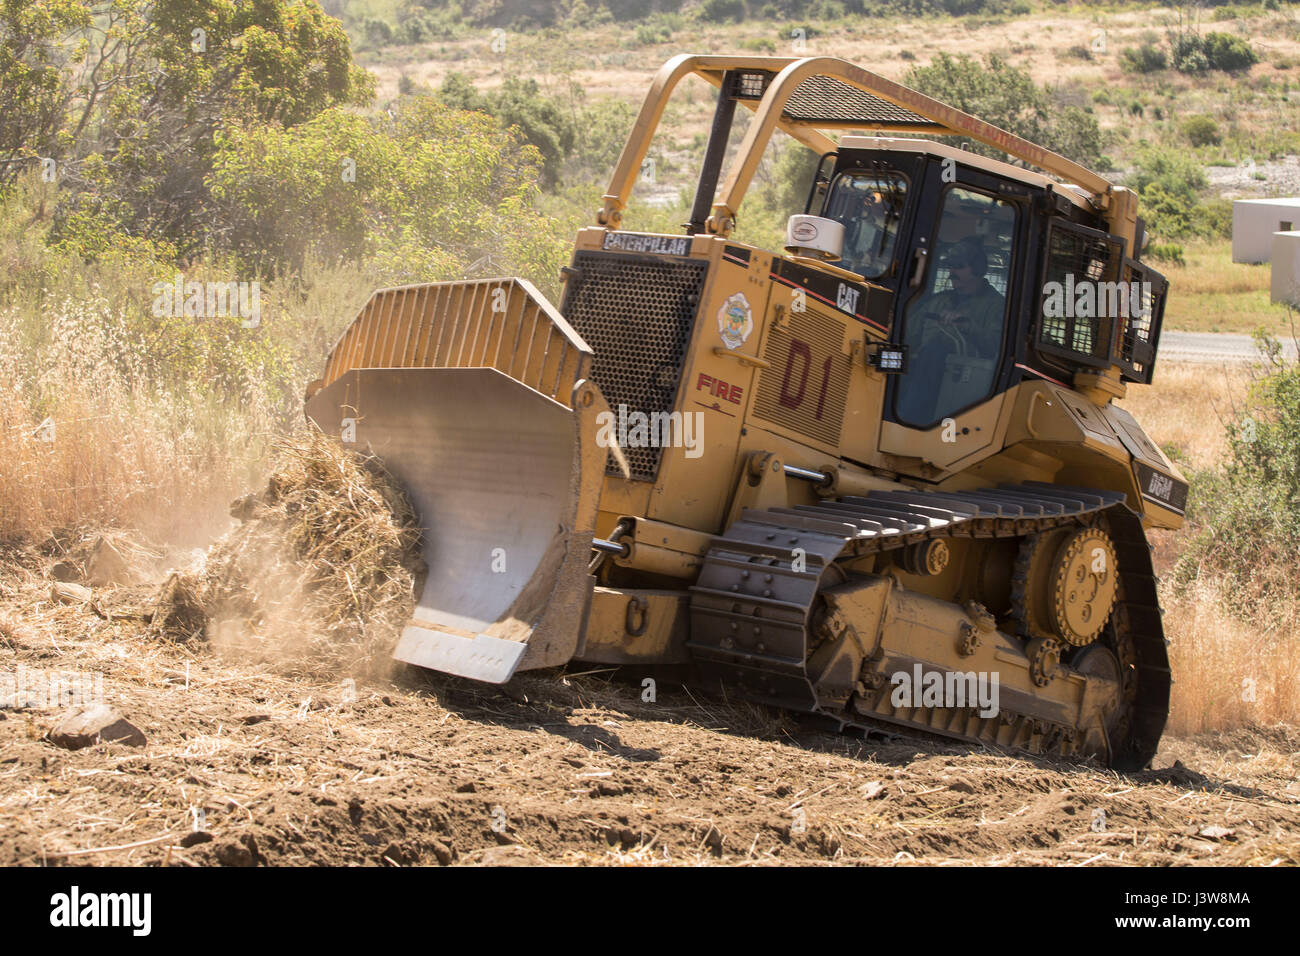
814, 237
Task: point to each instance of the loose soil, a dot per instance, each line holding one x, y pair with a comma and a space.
247, 765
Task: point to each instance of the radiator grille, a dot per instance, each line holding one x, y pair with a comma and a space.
636, 313
806, 384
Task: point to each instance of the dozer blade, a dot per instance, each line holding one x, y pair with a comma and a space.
506, 482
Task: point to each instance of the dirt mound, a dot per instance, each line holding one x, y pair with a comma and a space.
320, 576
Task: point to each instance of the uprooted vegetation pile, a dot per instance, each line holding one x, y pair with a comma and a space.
320, 576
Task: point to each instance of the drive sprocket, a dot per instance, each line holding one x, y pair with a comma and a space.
1064, 586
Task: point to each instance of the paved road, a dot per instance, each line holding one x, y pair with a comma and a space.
1213, 348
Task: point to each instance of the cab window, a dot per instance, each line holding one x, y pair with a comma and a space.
954, 328
869, 205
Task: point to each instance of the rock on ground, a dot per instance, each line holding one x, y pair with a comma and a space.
98, 724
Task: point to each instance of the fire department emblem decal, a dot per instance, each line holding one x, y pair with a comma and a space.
735, 321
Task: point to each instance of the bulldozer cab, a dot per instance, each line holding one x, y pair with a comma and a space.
957, 240
945, 240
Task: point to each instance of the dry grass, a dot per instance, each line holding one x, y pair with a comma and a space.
1234, 657
88, 438
1186, 408
105, 458
1211, 293
1231, 667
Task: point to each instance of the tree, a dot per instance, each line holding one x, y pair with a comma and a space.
425, 195
1168, 183
35, 85
998, 93
519, 103
170, 74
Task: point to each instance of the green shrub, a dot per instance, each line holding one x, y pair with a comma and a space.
544, 122
1147, 58
603, 127
424, 195
1168, 183
1008, 97
719, 11
648, 34
1229, 53
1187, 53
1174, 169
1193, 53
1165, 252
378, 33
1247, 516
780, 189
1202, 131
1212, 219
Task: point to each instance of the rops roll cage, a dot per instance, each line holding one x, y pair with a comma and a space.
810, 96
805, 98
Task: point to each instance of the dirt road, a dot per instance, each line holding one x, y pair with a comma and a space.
1214, 348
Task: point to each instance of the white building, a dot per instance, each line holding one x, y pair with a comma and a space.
1253, 223
1286, 268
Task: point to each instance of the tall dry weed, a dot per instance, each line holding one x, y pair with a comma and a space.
88, 439
1234, 664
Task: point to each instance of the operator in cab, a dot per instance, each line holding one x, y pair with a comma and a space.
963, 320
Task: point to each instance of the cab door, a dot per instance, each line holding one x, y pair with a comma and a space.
873, 195
956, 313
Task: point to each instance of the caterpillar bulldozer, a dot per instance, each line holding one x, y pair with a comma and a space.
850, 477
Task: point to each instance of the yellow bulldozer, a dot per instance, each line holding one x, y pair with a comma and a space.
878, 475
